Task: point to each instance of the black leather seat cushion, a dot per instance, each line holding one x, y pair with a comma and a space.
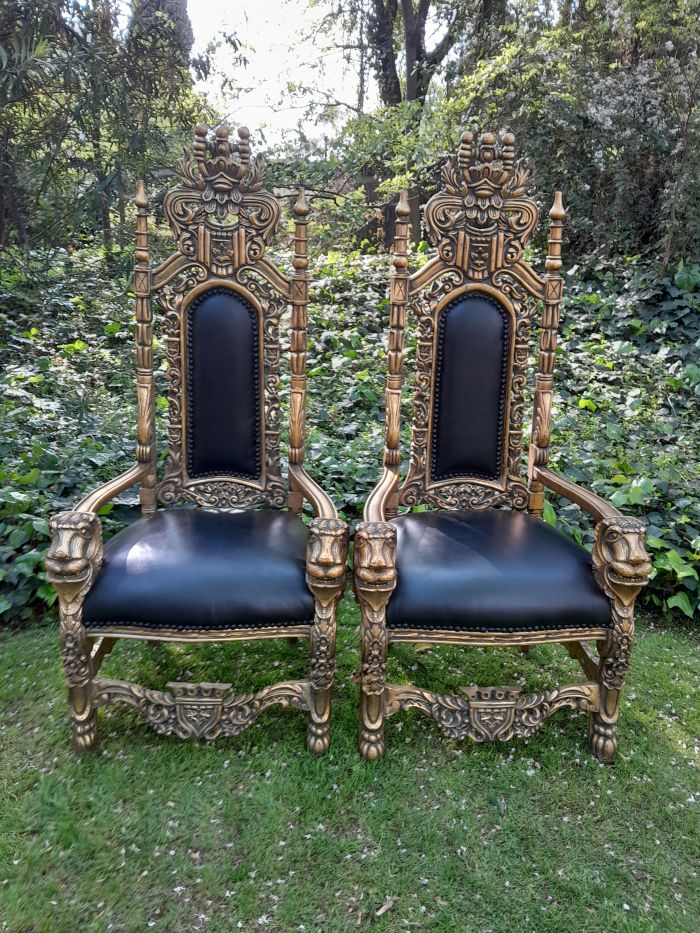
199, 569
492, 570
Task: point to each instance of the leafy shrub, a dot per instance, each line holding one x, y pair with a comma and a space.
625, 416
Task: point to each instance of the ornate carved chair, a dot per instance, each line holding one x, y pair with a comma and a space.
221, 570
481, 567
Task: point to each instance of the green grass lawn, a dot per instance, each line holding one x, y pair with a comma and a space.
253, 834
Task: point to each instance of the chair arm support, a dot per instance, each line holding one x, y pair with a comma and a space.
375, 507
620, 561
74, 556
375, 558
594, 505
94, 501
309, 488
326, 557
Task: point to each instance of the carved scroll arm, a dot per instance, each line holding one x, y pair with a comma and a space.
94, 500
595, 506
376, 506
620, 560
309, 488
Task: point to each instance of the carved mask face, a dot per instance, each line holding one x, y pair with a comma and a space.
374, 555
327, 550
75, 542
621, 545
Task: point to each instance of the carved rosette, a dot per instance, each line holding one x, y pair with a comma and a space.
491, 713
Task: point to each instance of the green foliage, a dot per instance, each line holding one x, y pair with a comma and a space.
625, 418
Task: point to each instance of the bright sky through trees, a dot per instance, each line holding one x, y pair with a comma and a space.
277, 40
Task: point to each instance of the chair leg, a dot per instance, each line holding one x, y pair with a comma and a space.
322, 670
614, 661
72, 561
78, 671
325, 576
621, 566
375, 579
375, 643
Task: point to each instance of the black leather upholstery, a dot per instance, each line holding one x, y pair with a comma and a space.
195, 569
491, 570
471, 372
223, 386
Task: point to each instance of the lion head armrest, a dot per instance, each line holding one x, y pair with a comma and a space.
620, 560
75, 553
375, 557
326, 554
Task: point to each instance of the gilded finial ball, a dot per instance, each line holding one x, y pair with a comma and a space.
201, 129
488, 139
508, 139
467, 137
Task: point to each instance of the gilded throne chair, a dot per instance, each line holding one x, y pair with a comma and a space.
228, 558
479, 567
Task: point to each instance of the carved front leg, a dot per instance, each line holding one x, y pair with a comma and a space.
73, 559
375, 579
621, 566
325, 577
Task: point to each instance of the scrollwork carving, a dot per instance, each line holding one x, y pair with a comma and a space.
202, 711
491, 713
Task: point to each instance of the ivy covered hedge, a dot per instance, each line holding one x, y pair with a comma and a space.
625, 420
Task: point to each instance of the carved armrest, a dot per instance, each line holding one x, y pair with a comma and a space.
376, 506
620, 561
309, 488
75, 552
597, 507
327, 553
74, 555
94, 500
375, 558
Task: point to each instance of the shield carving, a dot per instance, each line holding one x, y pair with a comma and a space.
492, 712
198, 708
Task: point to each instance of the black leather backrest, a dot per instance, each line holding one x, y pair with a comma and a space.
471, 378
223, 386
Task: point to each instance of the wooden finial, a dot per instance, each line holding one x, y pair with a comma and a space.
556, 223
402, 208
141, 199
557, 212
301, 205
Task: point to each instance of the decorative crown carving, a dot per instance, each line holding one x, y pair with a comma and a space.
481, 221
219, 213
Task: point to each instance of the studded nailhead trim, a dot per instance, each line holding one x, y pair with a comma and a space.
540, 627
434, 475
190, 376
95, 626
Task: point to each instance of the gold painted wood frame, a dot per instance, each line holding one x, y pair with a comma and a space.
222, 220
481, 223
